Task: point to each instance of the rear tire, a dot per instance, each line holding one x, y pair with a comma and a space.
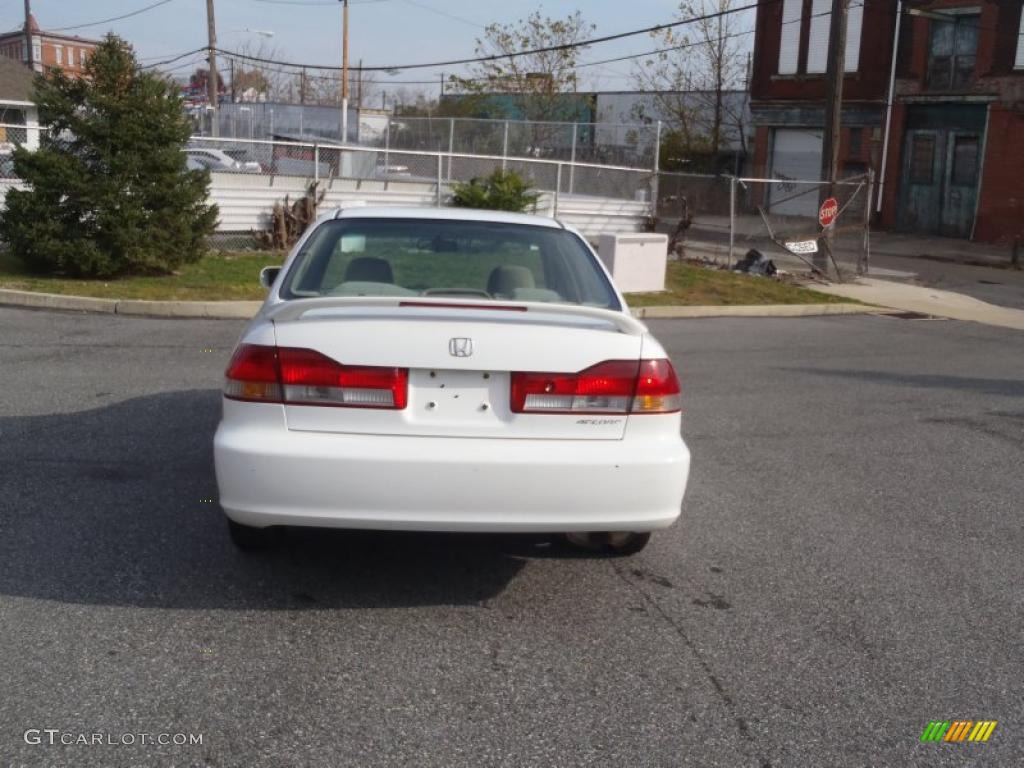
250, 539
614, 543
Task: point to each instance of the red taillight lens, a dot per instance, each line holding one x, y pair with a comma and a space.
253, 374
311, 378
604, 388
657, 388
614, 386
306, 377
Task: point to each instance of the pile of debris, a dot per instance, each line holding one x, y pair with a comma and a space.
289, 220
756, 263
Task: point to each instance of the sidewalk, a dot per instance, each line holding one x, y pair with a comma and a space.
710, 234
928, 301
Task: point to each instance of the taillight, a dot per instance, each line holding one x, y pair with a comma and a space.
614, 386
306, 377
253, 374
310, 378
657, 388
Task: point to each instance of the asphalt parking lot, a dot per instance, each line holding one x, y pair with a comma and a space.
849, 566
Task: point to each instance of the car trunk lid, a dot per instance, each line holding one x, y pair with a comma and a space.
460, 358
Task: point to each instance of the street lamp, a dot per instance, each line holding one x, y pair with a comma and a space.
900, 10
260, 32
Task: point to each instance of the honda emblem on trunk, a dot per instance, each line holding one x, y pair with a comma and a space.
460, 347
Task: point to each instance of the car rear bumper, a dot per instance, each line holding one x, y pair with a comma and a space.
268, 475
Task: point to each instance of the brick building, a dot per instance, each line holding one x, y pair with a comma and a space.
49, 49
954, 148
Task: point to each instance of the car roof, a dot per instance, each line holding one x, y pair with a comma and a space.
445, 214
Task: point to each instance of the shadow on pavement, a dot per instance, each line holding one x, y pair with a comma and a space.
106, 507
1007, 387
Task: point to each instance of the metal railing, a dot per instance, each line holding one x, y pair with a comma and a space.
326, 161
250, 177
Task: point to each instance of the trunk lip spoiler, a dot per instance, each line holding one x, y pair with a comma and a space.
294, 309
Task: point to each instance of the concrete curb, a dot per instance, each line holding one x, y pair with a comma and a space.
243, 310
214, 310
758, 310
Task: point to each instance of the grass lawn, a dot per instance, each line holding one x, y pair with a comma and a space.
218, 276
691, 285
234, 275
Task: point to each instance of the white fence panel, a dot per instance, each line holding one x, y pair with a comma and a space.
246, 201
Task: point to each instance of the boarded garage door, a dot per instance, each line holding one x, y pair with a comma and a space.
796, 154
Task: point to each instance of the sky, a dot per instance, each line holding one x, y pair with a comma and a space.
382, 32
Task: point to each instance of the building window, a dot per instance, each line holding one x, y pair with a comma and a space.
71, 57
821, 23
1019, 63
58, 54
789, 41
965, 161
818, 39
922, 160
81, 57
953, 52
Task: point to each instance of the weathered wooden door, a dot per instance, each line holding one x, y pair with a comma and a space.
941, 169
960, 183
921, 183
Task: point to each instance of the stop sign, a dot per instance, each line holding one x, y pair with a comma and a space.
828, 212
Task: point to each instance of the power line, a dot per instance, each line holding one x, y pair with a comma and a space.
297, 66
439, 12
243, 57
514, 54
114, 18
174, 58
319, 2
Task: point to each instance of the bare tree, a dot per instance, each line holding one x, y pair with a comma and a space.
537, 82
265, 82
688, 82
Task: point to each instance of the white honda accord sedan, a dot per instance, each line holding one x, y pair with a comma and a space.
449, 370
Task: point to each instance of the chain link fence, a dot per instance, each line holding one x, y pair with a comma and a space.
249, 177
597, 143
722, 218
633, 145
804, 225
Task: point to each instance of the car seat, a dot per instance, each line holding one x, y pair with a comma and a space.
369, 269
506, 279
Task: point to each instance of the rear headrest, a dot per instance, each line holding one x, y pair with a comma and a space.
504, 280
368, 269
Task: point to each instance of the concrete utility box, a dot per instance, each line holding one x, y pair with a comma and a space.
636, 261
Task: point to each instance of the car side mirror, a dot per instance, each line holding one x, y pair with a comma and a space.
268, 275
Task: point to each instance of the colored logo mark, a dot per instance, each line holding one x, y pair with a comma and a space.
958, 730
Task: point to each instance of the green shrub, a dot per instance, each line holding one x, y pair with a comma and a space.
108, 192
501, 191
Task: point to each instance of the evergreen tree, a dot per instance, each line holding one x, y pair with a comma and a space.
108, 189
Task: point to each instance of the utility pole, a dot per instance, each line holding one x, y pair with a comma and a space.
716, 128
28, 34
833, 111
231, 63
211, 73
834, 93
344, 71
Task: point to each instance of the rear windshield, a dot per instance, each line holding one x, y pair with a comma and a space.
461, 259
